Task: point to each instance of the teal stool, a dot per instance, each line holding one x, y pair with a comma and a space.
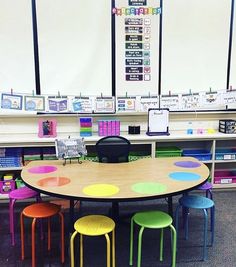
201, 203
152, 220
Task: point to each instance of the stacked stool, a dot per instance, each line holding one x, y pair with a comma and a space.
152, 220
200, 203
94, 225
207, 187
41, 211
19, 194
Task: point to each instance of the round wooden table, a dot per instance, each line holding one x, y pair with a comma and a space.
147, 178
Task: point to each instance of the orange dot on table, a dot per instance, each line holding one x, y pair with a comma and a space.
101, 190
53, 181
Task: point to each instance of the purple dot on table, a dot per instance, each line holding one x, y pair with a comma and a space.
42, 169
184, 176
187, 164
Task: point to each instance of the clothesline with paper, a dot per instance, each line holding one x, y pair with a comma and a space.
16, 102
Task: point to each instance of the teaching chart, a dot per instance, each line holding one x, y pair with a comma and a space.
137, 46
75, 47
16, 53
195, 45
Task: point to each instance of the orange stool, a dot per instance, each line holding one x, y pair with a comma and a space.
41, 211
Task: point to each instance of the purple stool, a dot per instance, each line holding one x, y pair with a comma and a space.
17, 194
207, 186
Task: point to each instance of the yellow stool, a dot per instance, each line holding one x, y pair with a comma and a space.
94, 225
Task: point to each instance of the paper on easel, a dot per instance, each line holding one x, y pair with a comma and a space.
158, 121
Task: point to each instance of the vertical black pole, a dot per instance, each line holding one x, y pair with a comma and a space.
36, 52
113, 49
230, 43
160, 49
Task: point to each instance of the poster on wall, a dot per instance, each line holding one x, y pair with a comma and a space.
34, 103
11, 101
57, 104
137, 46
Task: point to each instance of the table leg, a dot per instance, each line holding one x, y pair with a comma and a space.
170, 206
115, 211
72, 213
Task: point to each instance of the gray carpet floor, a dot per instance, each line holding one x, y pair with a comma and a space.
190, 252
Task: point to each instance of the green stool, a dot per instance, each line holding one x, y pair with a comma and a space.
152, 220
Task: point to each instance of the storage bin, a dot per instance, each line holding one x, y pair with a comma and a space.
19, 183
7, 186
171, 151
200, 154
225, 154
225, 176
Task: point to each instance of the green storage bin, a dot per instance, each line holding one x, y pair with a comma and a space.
171, 151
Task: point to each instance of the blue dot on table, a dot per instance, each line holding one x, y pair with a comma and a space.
184, 176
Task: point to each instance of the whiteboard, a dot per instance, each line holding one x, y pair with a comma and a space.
232, 81
75, 46
195, 45
16, 41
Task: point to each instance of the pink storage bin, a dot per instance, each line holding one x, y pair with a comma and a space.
225, 176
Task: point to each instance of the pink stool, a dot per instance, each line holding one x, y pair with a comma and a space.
17, 194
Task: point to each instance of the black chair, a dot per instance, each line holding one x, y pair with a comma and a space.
113, 149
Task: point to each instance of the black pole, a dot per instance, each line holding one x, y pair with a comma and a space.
113, 49
36, 53
230, 44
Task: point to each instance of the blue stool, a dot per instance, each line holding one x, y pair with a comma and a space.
197, 202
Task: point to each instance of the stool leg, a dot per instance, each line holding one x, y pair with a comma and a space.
212, 224
205, 235
49, 234
33, 241
186, 226
113, 249
161, 245
177, 221
108, 250
22, 236
72, 257
131, 242
12, 220
174, 241
81, 250
62, 237
140, 246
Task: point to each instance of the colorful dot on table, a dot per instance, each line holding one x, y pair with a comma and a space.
53, 181
187, 164
101, 190
42, 169
149, 188
184, 176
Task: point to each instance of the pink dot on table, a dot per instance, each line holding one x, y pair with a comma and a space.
42, 169
53, 181
187, 164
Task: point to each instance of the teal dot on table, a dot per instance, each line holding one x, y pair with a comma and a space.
149, 188
184, 176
